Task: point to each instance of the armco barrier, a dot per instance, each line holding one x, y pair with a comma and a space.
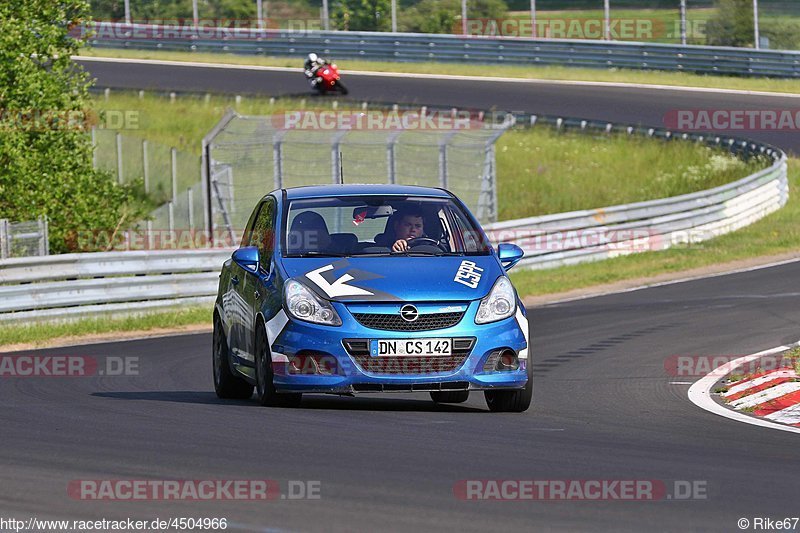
410, 47
82, 285
569, 238
93, 284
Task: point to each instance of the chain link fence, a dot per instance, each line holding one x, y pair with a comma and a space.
23, 239
248, 156
171, 177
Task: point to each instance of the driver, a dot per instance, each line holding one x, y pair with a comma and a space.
408, 226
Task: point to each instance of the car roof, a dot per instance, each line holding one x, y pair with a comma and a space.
323, 191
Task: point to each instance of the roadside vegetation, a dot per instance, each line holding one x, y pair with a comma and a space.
726, 22
776, 234
40, 334
540, 171
45, 152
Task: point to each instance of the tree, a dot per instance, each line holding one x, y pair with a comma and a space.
362, 15
444, 16
45, 149
732, 24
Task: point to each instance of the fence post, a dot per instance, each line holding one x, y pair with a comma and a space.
277, 159
171, 218
145, 170
190, 198
119, 158
150, 237
4, 239
391, 160
41, 222
174, 165
231, 191
336, 159
443, 159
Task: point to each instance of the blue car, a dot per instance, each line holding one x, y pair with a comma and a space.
349, 289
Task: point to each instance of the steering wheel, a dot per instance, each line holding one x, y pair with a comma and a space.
417, 241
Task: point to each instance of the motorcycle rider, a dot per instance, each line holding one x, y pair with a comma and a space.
312, 65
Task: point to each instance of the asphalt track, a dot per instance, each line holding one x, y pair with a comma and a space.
605, 408
618, 104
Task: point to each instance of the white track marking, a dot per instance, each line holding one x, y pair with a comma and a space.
772, 376
790, 415
493, 79
766, 395
700, 393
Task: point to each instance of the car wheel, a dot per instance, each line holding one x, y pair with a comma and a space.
265, 388
457, 396
512, 401
226, 384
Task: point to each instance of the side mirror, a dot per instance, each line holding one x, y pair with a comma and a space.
246, 257
509, 254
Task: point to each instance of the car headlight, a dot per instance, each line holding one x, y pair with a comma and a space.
499, 304
303, 304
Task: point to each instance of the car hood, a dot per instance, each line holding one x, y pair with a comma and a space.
397, 278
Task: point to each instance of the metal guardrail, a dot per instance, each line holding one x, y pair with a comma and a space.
84, 285
589, 235
94, 284
410, 47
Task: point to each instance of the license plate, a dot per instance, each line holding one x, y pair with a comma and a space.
410, 347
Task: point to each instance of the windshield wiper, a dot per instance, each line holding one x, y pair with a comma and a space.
421, 254
314, 253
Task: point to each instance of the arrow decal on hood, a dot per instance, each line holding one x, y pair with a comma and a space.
339, 287
335, 288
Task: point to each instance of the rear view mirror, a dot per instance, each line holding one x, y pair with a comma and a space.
509, 254
362, 213
246, 257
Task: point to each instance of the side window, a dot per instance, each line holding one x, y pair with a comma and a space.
248, 229
263, 233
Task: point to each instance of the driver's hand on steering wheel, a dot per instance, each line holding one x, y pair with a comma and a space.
400, 245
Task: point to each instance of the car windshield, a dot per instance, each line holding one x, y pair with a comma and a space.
371, 225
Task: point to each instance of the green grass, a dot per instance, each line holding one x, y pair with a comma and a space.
184, 122
775, 234
508, 71
40, 333
540, 171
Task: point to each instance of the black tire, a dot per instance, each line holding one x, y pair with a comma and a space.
265, 388
512, 401
226, 384
456, 396
342, 88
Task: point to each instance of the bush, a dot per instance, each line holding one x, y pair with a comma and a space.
783, 35
444, 16
45, 150
732, 24
362, 15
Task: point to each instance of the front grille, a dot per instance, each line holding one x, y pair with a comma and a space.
394, 322
410, 364
411, 387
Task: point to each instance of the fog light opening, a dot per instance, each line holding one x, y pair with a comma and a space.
508, 361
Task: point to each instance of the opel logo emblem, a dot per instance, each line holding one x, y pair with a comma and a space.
409, 313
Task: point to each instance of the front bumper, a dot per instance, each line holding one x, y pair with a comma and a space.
301, 342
